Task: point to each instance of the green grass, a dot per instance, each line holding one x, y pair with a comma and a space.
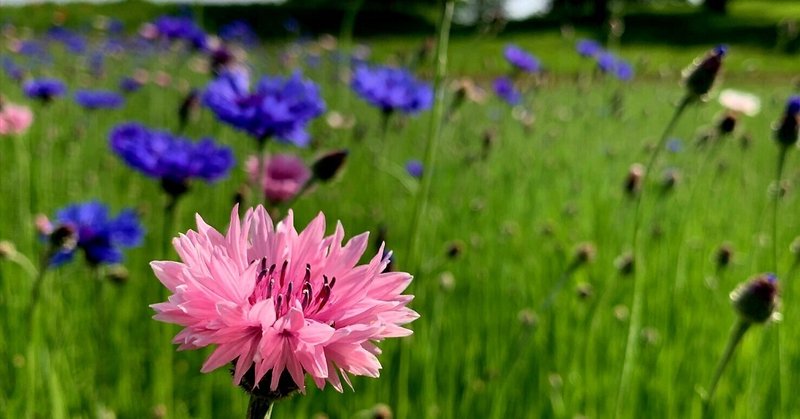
518, 215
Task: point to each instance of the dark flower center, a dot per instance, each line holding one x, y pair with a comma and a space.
271, 283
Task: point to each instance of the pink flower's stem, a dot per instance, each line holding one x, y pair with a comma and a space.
259, 408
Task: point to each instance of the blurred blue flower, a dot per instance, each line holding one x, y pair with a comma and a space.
44, 89
172, 159
588, 48
278, 107
96, 63
414, 168
611, 64
392, 89
99, 99
12, 70
32, 48
504, 88
73, 42
521, 59
675, 145
238, 31
623, 71
98, 236
291, 25
129, 85
173, 28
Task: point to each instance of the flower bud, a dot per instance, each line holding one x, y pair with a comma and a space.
724, 255
327, 166
633, 182
726, 124
755, 300
117, 274
64, 238
189, 108
787, 129
585, 253
699, 77
625, 263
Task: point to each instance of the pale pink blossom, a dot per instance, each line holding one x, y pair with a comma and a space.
283, 176
282, 302
741, 102
14, 119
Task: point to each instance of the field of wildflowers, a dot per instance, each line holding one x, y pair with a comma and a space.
209, 225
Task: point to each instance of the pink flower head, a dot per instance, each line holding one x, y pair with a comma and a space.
14, 119
275, 301
284, 176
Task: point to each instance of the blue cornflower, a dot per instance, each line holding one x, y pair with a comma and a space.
129, 85
96, 63
44, 89
278, 107
787, 129
173, 28
675, 145
99, 99
623, 71
392, 89
32, 48
238, 31
504, 88
588, 48
98, 236
611, 64
414, 168
174, 160
12, 70
521, 59
74, 42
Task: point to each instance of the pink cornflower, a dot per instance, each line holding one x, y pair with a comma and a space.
14, 119
274, 300
284, 176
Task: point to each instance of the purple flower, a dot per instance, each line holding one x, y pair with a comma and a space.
99, 99
414, 168
611, 64
521, 59
174, 160
44, 89
98, 236
504, 88
238, 31
278, 107
173, 28
129, 85
75, 43
588, 48
96, 63
12, 70
392, 89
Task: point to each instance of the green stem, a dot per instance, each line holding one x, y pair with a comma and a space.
638, 278
565, 276
259, 408
782, 377
30, 317
737, 333
778, 174
434, 130
162, 372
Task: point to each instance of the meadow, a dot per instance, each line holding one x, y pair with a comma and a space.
520, 280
